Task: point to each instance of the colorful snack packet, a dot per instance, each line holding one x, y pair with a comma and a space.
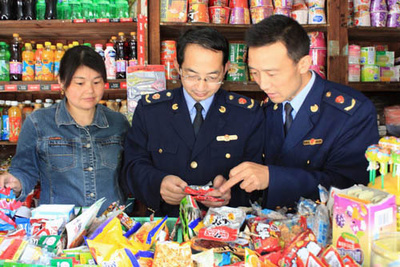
190, 214
199, 192
222, 224
265, 234
172, 254
146, 235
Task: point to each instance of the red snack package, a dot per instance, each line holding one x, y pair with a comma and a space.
272, 257
298, 250
330, 257
265, 234
349, 262
313, 261
200, 193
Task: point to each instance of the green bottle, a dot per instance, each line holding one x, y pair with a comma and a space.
4, 63
122, 9
65, 9
40, 9
76, 9
104, 9
87, 11
95, 9
58, 7
113, 10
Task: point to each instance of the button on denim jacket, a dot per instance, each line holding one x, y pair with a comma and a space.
74, 164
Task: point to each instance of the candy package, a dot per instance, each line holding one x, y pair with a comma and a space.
204, 259
265, 234
296, 253
171, 253
190, 215
330, 257
200, 192
222, 224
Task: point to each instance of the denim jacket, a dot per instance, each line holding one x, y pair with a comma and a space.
74, 164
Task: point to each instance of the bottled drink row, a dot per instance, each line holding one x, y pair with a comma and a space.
64, 9
38, 62
14, 113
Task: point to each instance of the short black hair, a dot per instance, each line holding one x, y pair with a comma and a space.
80, 56
279, 28
206, 37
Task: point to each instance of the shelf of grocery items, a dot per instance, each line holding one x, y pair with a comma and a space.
63, 29
374, 34
376, 86
227, 85
172, 30
50, 86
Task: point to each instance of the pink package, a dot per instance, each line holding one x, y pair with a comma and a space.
283, 11
283, 3
239, 15
318, 56
354, 72
317, 40
361, 214
264, 3
393, 5
378, 5
259, 13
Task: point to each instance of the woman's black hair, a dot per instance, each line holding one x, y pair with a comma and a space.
80, 56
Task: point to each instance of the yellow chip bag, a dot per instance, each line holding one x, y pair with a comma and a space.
172, 254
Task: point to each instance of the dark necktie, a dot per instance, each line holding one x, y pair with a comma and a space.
288, 117
198, 120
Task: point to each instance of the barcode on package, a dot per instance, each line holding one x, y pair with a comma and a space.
383, 217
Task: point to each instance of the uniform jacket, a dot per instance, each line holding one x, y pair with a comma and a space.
74, 164
325, 144
161, 142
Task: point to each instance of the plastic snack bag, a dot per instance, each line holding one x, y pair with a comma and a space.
222, 224
190, 215
199, 192
172, 254
265, 234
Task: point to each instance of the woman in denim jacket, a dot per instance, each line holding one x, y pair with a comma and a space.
73, 148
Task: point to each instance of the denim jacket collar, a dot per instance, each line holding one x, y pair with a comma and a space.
64, 118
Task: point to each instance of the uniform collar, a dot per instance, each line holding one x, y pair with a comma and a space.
190, 102
64, 118
298, 100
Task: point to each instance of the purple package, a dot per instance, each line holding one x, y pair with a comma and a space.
378, 19
393, 19
393, 5
378, 5
283, 11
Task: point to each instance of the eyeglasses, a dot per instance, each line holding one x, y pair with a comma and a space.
195, 79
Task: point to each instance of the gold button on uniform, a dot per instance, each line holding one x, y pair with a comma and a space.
227, 155
160, 150
193, 164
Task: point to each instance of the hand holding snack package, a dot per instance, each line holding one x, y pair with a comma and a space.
200, 192
222, 224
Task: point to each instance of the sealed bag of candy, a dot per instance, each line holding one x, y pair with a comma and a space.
265, 234
222, 224
200, 192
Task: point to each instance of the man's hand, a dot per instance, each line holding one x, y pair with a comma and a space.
9, 180
219, 180
171, 189
253, 176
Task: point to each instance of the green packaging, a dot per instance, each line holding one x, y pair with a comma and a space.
370, 73
237, 72
237, 52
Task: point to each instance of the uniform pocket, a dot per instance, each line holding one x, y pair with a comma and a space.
110, 151
61, 154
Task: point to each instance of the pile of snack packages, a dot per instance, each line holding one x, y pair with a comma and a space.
63, 235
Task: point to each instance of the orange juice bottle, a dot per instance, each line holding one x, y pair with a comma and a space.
15, 121
39, 62
48, 62
28, 63
57, 59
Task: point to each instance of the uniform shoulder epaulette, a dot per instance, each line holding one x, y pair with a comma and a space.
241, 101
157, 97
266, 102
342, 101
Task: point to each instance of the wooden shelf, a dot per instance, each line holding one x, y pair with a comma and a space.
172, 30
228, 86
6, 143
63, 29
376, 86
374, 34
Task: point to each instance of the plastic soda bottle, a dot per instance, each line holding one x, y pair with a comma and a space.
99, 49
122, 9
133, 50
65, 10
103, 9
120, 56
38, 104
16, 59
57, 59
26, 110
1, 117
40, 9
109, 61
39, 62
5, 9
6, 128
51, 9
28, 63
113, 10
4, 63
18, 10
87, 9
76, 9
48, 63
15, 121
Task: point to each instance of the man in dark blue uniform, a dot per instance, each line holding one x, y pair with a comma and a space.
195, 134
316, 131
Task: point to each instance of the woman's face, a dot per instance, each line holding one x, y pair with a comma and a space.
86, 89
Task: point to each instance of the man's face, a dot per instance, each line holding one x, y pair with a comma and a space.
277, 74
199, 64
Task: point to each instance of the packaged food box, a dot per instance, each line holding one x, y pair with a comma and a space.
173, 11
389, 74
360, 215
385, 58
